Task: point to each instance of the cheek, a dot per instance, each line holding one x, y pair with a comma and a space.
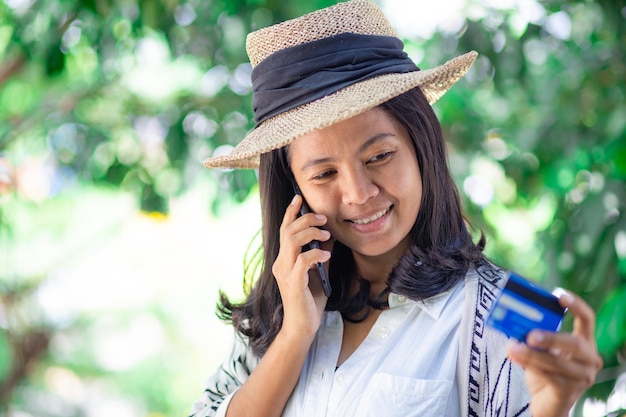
321, 203
413, 187
326, 203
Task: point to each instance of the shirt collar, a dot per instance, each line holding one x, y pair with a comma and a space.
431, 306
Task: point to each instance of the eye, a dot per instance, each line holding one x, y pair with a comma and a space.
324, 175
381, 157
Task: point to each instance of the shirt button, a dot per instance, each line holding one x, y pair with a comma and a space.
401, 299
383, 332
341, 378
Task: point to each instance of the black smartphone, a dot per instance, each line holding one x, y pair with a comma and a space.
314, 245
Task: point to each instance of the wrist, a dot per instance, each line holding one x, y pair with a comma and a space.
294, 336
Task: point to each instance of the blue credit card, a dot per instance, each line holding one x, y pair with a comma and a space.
523, 306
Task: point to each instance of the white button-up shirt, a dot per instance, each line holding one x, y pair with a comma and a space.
406, 366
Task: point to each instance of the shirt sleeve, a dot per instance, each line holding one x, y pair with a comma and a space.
223, 384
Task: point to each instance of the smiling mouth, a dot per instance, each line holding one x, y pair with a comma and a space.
371, 218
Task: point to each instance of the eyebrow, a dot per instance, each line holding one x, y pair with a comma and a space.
374, 139
371, 141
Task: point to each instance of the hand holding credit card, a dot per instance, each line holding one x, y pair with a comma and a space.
523, 306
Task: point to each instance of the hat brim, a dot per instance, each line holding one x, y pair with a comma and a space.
284, 128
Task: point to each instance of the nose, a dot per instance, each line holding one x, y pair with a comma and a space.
358, 187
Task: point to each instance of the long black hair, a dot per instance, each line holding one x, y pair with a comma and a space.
441, 252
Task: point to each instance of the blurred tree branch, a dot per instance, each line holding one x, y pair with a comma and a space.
27, 349
11, 67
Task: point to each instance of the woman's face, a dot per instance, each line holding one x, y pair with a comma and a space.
363, 175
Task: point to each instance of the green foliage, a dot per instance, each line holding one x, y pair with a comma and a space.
611, 331
132, 96
6, 354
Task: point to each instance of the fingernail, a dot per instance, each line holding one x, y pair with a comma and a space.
536, 338
555, 351
320, 216
567, 297
293, 200
515, 347
563, 294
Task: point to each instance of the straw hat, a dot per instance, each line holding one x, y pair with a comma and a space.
268, 49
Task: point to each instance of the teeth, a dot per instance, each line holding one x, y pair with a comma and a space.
371, 218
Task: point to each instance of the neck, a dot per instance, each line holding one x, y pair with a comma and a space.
376, 269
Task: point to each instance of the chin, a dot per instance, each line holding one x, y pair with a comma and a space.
375, 250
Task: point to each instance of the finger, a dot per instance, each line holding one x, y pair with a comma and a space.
328, 244
304, 237
584, 317
310, 258
310, 220
564, 345
306, 263
291, 213
544, 362
293, 224
296, 272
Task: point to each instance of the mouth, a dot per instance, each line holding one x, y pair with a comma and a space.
372, 218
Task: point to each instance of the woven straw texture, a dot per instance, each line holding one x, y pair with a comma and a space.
357, 16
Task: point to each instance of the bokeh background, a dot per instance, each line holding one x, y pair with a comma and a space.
114, 240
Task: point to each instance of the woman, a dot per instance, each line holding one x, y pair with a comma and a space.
343, 114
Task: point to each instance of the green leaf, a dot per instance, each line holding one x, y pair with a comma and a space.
616, 152
611, 323
6, 356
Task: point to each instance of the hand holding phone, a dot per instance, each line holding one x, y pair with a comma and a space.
321, 271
